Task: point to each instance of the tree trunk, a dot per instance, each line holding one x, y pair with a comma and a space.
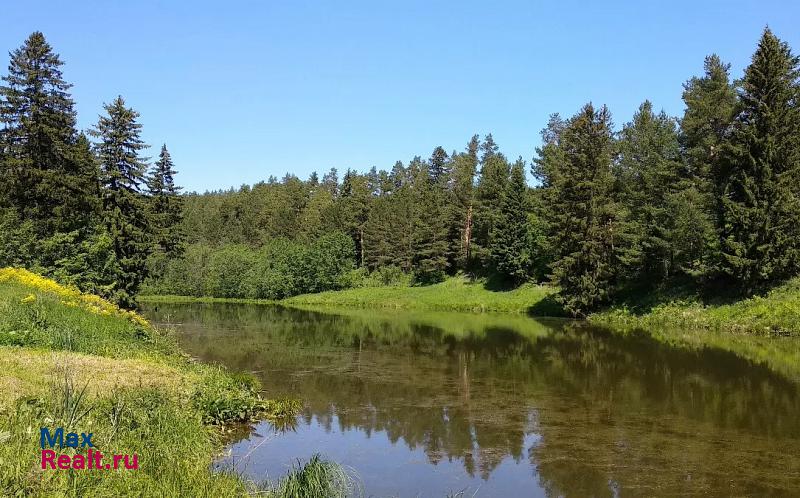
467, 234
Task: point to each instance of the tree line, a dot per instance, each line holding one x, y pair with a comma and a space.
710, 200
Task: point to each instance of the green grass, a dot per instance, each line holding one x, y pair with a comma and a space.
72, 361
774, 314
454, 294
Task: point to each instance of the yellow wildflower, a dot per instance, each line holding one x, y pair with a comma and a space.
70, 296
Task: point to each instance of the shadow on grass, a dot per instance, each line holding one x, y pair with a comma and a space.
642, 299
497, 283
547, 307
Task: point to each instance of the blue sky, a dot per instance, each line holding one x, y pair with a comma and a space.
243, 90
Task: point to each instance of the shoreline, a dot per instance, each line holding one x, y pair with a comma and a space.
775, 314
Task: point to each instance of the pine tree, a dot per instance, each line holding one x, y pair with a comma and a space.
44, 177
759, 176
124, 204
166, 209
575, 168
509, 237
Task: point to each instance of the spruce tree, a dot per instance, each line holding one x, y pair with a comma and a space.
439, 167
759, 175
166, 209
710, 105
583, 218
509, 237
45, 177
650, 169
124, 205
494, 172
430, 228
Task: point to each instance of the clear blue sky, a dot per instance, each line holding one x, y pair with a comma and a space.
243, 90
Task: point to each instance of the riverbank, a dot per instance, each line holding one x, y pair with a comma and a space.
75, 361
775, 314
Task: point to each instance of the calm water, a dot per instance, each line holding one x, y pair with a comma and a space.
438, 403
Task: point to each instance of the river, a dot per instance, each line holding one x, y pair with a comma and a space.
436, 404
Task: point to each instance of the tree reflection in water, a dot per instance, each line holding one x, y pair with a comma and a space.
581, 411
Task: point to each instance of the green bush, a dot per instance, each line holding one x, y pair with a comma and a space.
382, 277
280, 268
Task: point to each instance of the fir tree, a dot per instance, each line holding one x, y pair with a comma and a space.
509, 238
45, 176
494, 174
438, 166
124, 205
430, 227
165, 206
650, 173
575, 168
353, 210
330, 182
710, 105
760, 172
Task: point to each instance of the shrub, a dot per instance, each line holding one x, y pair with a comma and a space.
280, 268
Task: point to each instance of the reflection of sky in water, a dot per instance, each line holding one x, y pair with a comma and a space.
376, 457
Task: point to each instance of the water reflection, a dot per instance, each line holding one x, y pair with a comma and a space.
425, 404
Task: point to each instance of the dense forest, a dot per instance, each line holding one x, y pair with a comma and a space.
709, 201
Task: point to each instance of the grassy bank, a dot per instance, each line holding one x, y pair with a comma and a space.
774, 314
76, 361
454, 294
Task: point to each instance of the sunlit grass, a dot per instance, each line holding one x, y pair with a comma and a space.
454, 294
